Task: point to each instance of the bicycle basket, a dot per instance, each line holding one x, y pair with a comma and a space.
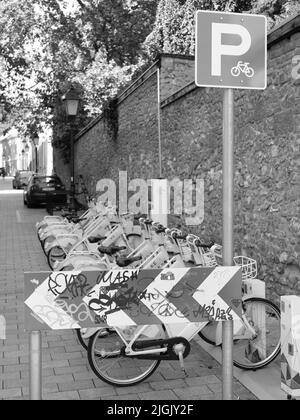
170, 246
175, 262
157, 260
209, 259
186, 252
249, 267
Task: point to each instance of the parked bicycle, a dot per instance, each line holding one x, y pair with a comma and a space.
127, 356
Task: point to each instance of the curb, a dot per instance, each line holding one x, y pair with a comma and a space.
264, 383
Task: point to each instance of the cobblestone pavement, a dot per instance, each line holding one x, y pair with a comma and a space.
66, 373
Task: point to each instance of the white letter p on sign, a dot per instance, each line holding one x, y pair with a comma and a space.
219, 49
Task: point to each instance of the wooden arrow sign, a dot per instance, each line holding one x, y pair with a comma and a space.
71, 300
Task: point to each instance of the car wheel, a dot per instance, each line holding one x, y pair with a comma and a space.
29, 204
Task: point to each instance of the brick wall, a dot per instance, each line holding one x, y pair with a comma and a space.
267, 153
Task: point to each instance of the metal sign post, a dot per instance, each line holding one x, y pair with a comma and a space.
228, 176
231, 52
35, 366
159, 122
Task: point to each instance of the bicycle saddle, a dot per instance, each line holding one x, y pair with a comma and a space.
76, 219
110, 250
201, 245
148, 222
159, 229
125, 261
139, 216
96, 239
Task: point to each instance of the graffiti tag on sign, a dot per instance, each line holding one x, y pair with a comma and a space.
73, 300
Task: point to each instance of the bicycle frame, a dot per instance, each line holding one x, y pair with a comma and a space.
184, 330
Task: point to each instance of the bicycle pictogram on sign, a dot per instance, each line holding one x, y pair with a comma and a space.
242, 68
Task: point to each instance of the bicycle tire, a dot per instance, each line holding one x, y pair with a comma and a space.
51, 259
94, 355
85, 341
259, 364
205, 338
133, 238
81, 339
262, 363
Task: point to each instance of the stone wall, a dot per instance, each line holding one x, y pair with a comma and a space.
176, 72
135, 149
267, 152
267, 162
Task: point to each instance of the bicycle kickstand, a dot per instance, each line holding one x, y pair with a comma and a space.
179, 349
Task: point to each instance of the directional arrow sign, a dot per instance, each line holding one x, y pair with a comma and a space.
71, 300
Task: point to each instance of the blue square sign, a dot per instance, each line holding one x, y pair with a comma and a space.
231, 50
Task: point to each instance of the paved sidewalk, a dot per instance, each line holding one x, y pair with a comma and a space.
66, 373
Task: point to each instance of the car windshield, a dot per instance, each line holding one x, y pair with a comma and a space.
47, 182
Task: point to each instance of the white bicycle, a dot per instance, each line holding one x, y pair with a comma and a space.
127, 356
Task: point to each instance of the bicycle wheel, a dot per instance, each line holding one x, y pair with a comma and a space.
134, 240
253, 352
56, 254
85, 341
81, 340
108, 361
208, 333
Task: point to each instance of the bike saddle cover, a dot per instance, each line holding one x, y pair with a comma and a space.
110, 250
96, 239
125, 261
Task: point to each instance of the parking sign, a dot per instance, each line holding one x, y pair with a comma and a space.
231, 50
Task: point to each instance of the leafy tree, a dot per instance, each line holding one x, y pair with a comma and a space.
45, 46
174, 29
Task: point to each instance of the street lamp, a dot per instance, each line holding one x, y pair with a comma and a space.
35, 142
71, 101
23, 163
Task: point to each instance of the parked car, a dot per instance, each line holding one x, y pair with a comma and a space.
43, 189
21, 179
